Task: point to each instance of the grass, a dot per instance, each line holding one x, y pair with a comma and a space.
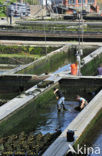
19, 55
27, 50
26, 1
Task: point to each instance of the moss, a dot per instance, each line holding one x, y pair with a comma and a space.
25, 50
27, 143
22, 54
91, 67
49, 64
44, 84
27, 117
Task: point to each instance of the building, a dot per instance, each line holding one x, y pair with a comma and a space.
78, 5
18, 9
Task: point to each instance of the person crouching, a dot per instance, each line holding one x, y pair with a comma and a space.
83, 102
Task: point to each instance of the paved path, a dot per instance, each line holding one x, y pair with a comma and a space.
48, 43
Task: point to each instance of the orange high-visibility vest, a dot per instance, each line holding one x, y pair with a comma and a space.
74, 69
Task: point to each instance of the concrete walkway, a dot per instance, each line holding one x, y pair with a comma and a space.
18, 102
91, 56
48, 43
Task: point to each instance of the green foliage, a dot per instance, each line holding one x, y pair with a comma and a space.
20, 54
25, 50
91, 67
2, 10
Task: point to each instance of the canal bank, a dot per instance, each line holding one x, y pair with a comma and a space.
56, 59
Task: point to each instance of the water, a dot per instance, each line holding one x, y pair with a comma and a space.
57, 120
39, 116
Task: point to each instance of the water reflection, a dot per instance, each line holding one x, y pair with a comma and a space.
57, 120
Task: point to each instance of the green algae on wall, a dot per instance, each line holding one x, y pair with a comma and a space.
22, 54
50, 63
25, 50
26, 119
91, 67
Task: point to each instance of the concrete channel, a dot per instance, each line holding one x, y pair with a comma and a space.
21, 67
79, 124
60, 146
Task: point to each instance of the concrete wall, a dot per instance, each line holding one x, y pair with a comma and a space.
15, 83
81, 84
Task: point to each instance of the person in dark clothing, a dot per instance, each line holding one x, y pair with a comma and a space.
99, 69
60, 99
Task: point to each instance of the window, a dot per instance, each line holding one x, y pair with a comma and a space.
81, 1
90, 1
72, 1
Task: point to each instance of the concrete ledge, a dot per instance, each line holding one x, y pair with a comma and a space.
61, 146
92, 55
47, 43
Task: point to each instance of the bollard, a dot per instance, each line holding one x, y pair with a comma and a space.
70, 136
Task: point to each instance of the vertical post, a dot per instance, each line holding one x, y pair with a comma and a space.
46, 7
11, 16
82, 21
79, 16
78, 54
46, 4
45, 42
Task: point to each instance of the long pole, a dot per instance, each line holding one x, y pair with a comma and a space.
82, 23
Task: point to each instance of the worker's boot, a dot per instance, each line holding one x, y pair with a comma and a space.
64, 108
59, 110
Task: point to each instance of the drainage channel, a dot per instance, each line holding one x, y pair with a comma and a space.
40, 115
